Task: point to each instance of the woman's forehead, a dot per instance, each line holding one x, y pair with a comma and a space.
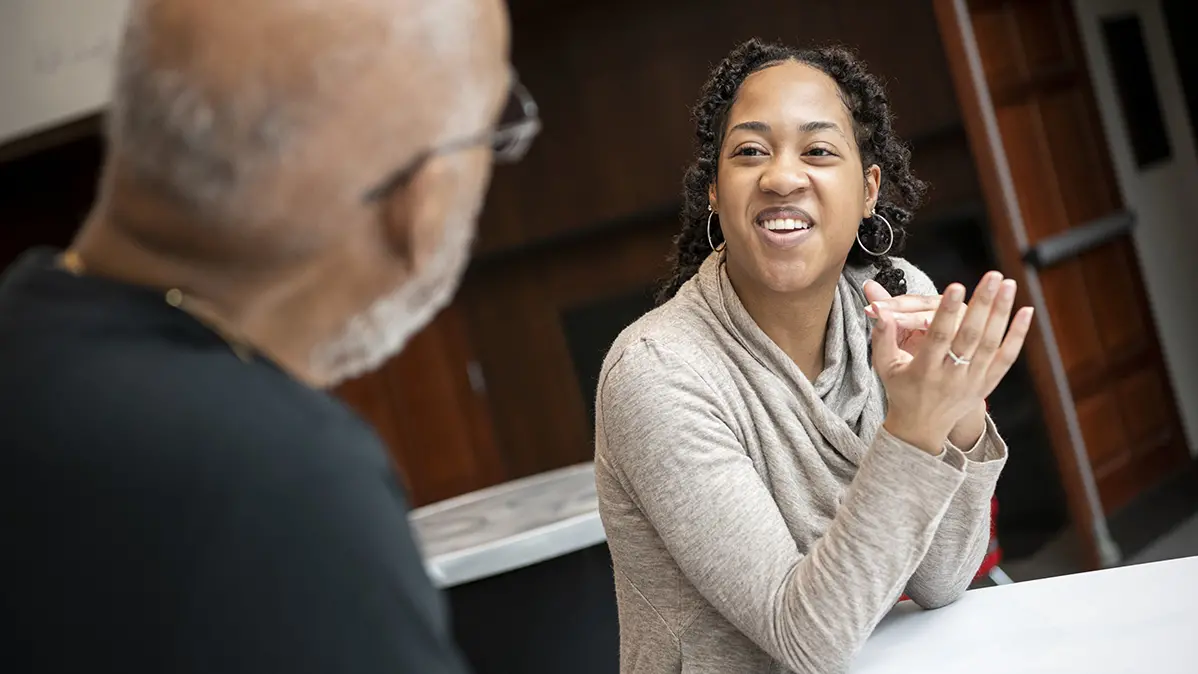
789, 93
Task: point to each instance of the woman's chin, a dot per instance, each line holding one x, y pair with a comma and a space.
794, 277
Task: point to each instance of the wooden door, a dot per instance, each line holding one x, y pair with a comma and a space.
429, 406
1140, 92
1062, 231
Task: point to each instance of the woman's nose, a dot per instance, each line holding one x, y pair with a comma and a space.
785, 175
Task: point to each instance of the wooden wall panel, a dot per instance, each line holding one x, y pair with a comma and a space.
517, 307
616, 80
539, 418
432, 413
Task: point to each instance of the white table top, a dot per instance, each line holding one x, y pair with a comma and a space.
509, 526
1135, 620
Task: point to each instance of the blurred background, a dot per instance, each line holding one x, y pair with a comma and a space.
1059, 139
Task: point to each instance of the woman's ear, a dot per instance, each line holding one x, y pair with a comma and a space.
711, 197
873, 185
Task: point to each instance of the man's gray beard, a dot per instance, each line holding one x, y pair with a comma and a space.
383, 329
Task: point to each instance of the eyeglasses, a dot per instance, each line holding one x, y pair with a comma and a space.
509, 140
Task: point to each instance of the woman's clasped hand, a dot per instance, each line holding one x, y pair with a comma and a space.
940, 357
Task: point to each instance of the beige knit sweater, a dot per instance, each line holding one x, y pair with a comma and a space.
760, 522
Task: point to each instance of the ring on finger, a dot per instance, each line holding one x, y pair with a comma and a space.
957, 360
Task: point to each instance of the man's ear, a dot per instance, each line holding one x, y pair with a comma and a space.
873, 185
416, 215
399, 219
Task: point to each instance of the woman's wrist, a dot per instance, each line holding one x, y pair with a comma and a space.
915, 433
969, 429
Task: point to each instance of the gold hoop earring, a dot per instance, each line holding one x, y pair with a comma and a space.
889, 243
710, 242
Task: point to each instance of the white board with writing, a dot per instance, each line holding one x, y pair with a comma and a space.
56, 61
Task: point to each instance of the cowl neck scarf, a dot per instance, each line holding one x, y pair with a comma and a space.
845, 405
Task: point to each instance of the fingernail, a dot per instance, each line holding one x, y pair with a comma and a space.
1008, 288
992, 281
869, 309
956, 292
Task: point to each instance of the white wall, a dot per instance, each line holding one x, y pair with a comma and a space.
55, 61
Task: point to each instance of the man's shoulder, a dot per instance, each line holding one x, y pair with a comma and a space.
201, 411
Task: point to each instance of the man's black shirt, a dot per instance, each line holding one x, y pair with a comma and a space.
168, 507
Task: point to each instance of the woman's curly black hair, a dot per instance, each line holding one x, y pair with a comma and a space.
901, 192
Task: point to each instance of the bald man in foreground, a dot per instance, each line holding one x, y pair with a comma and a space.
290, 193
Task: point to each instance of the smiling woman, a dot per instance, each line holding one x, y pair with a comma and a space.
803, 144
861, 118
774, 468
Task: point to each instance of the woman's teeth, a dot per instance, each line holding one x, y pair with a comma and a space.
784, 225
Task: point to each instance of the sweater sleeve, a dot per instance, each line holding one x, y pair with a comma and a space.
960, 543
664, 432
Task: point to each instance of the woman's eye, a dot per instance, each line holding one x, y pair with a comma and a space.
749, 152
821, 152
